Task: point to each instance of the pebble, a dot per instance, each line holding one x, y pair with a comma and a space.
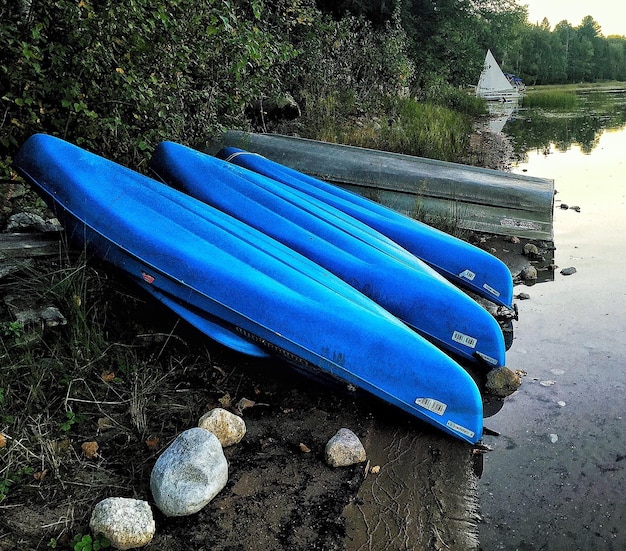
568, 271
189, 473
344, 449
126, 523
531, 251
529, 273
228, 427
554, 438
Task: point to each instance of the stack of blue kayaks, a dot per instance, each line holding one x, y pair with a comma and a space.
268, 269
461, 262
358, 254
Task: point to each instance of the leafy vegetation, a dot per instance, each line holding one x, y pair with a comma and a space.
118, 77
569, 54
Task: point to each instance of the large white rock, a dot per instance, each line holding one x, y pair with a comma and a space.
126, 523
189, 473
344, 449
228, 427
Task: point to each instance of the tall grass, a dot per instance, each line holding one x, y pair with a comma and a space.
552, 99
403, 125
428, 130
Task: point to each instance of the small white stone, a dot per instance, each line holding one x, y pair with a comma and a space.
344, 449
561, 403
553, 438
126, 523
228, 427
189, 473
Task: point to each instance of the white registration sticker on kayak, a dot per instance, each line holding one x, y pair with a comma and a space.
467, 274
458, 428
432, 405
463, 339
491, 290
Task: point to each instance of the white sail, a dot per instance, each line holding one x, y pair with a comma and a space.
493, 84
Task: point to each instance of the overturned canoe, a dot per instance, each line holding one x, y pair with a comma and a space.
473, 198
361, 256
216, 268
460, 262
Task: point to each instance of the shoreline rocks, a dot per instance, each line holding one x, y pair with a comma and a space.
344, 449
228, 427
189, 473
126, 523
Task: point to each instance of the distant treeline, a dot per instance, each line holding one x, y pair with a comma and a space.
448, 38
569, 54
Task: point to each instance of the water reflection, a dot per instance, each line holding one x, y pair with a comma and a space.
500, 113
556, 479
543, 130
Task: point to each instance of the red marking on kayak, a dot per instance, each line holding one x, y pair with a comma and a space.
147, 277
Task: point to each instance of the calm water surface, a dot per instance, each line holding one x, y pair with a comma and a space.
557, 476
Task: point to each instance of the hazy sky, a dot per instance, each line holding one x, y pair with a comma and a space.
610, 14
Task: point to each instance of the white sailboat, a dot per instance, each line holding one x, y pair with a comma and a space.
493, 85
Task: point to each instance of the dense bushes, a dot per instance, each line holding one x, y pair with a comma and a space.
118, 77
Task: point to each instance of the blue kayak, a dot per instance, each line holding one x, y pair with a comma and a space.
457, 260
223, 273
361, 256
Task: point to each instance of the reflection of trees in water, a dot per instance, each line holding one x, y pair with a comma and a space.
538, 129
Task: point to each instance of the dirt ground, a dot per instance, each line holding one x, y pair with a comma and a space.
280, 494
154, 378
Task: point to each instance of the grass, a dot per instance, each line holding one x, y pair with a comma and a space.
552, 99
600, 85
109, 375
402, 125
447, 220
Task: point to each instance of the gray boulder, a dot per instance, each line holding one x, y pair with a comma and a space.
189, 473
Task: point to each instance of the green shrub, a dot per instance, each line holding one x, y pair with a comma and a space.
117, 77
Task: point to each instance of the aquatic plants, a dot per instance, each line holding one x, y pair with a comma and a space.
565, 100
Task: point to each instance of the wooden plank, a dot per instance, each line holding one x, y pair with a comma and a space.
475, 198
26, 245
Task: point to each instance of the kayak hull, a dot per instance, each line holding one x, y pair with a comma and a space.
460, 262
361, 256
216, 267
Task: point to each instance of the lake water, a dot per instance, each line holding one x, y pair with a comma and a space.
556, 478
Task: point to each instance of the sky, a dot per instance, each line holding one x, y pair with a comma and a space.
609, 14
